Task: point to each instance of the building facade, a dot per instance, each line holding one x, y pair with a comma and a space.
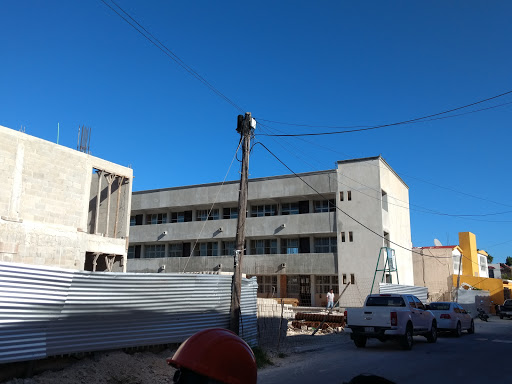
304, 235
60, 207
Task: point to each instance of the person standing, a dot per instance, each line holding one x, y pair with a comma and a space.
330, 299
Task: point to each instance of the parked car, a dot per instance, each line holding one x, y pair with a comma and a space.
505, 310
390, 316
452, 317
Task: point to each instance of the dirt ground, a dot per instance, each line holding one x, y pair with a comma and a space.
149, 367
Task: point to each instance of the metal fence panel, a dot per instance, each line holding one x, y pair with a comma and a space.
420, 292
48, 311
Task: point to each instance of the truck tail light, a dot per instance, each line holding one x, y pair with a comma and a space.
445, 316
345, 314
394, 318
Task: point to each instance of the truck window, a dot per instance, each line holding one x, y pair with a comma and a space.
418, 303
385, 301
411, 302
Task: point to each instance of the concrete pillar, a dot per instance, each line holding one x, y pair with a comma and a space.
98, 199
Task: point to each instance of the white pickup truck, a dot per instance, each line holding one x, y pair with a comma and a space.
390, 316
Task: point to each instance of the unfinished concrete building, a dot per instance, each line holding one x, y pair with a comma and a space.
61, 207
300, 242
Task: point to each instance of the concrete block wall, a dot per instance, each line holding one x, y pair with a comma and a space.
271, 308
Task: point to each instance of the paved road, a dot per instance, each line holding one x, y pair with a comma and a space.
478, 358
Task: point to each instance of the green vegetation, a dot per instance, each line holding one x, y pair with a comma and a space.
262, 358
508, 261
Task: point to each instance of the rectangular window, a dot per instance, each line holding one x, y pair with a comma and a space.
342, 237
325, 244
344, 279
384, 200
181, 217
350, 236
324, 206
131, 252
267, 284
341, 196
176, 250
156, 218
135, 220
228, 248
352, 278
205, 214
230, 213
132, 221
290, 209
264, 247
289, 246
349, 195
324, 283
264, 210
456, 263
154, 250
206, 249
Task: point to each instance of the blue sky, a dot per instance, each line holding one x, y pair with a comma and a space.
334, 63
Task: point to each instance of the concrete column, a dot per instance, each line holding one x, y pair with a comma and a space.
313, 291
110, 179
98, 199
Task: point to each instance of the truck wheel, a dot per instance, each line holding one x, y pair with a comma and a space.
406, 340
360, 341
432, 335
458, 330
471, 329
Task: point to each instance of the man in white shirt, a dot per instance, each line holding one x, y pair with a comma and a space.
330, 299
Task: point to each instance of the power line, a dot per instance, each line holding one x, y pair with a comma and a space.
157, 43
367, 128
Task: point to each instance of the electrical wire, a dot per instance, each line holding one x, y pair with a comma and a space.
157, 43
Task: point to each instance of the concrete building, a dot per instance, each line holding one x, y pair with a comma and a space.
299, 242
61, 207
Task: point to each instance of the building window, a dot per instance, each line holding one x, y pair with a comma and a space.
349, 195
325, 244
176, 250
156, 218
324, 206
325, 283
267, 284
289, 246
154, 250
456, 263
181, 217
344, 279
341, 196
342, 237
135, 220
352, 278
264, 210
230, 213
351, 236
133, 252
205, 214
206, 249
384, 200
264, 247
290, 209
228, 248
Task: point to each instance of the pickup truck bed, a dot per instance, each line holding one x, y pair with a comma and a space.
391, 316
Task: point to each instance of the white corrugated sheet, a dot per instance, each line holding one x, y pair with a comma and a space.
48, 311
420, 292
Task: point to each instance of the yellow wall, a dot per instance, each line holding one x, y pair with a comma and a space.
467, 242
494, 286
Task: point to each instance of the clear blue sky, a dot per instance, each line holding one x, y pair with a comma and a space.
330, 63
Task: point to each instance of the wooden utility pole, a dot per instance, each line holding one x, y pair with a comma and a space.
245, 128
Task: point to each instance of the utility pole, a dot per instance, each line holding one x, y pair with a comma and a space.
245, 126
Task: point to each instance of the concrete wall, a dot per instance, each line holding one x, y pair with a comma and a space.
45, 201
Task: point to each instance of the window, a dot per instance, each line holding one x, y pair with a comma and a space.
324, 283
344, 279
289, 246
349, 195
324, 206
325, 244
264, 210
341, 196
205, 214
206, 249
154, 250
181, 217
384, 200
176, 250
290, 209
264, 247
134, 252
352, 278
385, 301
156, 218
456, 264
135, 220
267, 284
342, 237
230, 213
350, 237
228, 248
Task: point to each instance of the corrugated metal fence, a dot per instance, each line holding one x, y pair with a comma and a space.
48, 311
420, 292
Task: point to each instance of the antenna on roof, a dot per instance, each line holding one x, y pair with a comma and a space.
437, 243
